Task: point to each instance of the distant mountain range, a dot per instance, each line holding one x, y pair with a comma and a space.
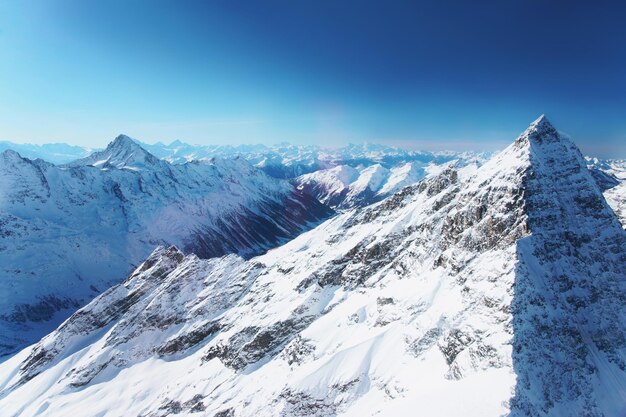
56, 153
280, 161
289, 161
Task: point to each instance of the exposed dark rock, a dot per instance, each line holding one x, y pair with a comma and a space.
229, 412
43, 310
454, 343
188, 340
298, 350
421, 345
252, 344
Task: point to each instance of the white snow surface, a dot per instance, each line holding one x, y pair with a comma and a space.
499, 292
344, 187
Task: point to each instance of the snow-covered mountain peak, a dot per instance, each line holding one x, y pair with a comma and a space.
122, 153
344, 174
345, 187
123, 142
10, 158
541, 131
541, 121
176, 142
540, 146
10, 154
125, 152
17, 172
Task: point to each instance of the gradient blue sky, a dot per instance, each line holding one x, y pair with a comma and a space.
418, 74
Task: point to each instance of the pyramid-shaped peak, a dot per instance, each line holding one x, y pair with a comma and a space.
124, 146
121, 152
541, 131
177, 142
541, 121
538, 147
122, 141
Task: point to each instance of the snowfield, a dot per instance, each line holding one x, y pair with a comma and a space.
489, 291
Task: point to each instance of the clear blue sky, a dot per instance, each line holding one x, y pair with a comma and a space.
420, 74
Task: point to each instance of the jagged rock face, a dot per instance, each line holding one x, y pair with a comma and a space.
502, 289
67, 233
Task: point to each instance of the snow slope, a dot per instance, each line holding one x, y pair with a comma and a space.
344, 187
69, 232
497, 291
